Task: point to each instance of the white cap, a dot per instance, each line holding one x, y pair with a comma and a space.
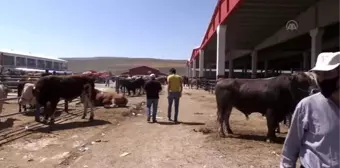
327, 61
152, 75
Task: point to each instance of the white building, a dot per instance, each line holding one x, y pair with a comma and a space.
14, 59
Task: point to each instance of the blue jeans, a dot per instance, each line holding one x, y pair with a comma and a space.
154, 103
173, 97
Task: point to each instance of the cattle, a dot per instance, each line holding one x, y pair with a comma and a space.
274, 97
4, 90
162, 79
132, 85
194, 82
185, 80
20, 89
109, 99
50, 89
25, 95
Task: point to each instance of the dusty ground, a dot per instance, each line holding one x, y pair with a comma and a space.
114, 142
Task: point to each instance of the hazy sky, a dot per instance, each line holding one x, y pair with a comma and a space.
85, 28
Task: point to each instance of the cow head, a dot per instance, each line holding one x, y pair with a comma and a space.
303, 84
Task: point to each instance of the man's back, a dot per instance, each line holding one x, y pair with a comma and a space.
152, 88
174, 83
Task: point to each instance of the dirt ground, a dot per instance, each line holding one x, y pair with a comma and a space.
115, 141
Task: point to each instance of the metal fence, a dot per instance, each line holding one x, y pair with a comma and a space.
12, 81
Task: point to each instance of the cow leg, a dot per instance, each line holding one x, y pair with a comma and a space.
53, 108
227, 117
271, 125
66, 106
223, 114
91, 109
19, 108
278, 128
47, 108
85, 104
52, 111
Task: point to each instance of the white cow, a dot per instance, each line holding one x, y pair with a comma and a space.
27, 97
3, 94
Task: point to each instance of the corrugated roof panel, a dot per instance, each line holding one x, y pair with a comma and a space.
30, 55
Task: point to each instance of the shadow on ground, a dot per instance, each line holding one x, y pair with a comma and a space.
72, 125
279, 140
8, 123
184, 123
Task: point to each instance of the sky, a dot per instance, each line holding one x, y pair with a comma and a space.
167, 29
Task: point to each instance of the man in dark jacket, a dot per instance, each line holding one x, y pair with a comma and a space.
152, 89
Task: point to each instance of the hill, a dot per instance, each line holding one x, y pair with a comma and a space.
118, 65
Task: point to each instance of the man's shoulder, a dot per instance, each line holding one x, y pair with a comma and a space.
312, 100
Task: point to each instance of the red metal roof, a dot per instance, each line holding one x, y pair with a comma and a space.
221, 12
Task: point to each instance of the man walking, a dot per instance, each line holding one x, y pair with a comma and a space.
175, 89
152, 89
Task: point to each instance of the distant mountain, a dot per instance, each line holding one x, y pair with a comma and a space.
118, 65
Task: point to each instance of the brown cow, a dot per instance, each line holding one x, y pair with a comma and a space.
50, 89
109, 98
274, 97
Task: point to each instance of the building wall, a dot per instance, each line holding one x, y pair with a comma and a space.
11, 61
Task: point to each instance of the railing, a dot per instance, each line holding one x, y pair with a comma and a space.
12, 81
16, 98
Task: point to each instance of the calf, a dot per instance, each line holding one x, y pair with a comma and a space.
107, 99
26, 97
50, 89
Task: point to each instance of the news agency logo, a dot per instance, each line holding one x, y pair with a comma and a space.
292, 25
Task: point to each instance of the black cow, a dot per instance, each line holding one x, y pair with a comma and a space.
132, 85
275, 98
50, 89
185, 80
162, 79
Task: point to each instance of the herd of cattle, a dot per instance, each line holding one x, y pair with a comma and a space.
49, 90
275, 98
